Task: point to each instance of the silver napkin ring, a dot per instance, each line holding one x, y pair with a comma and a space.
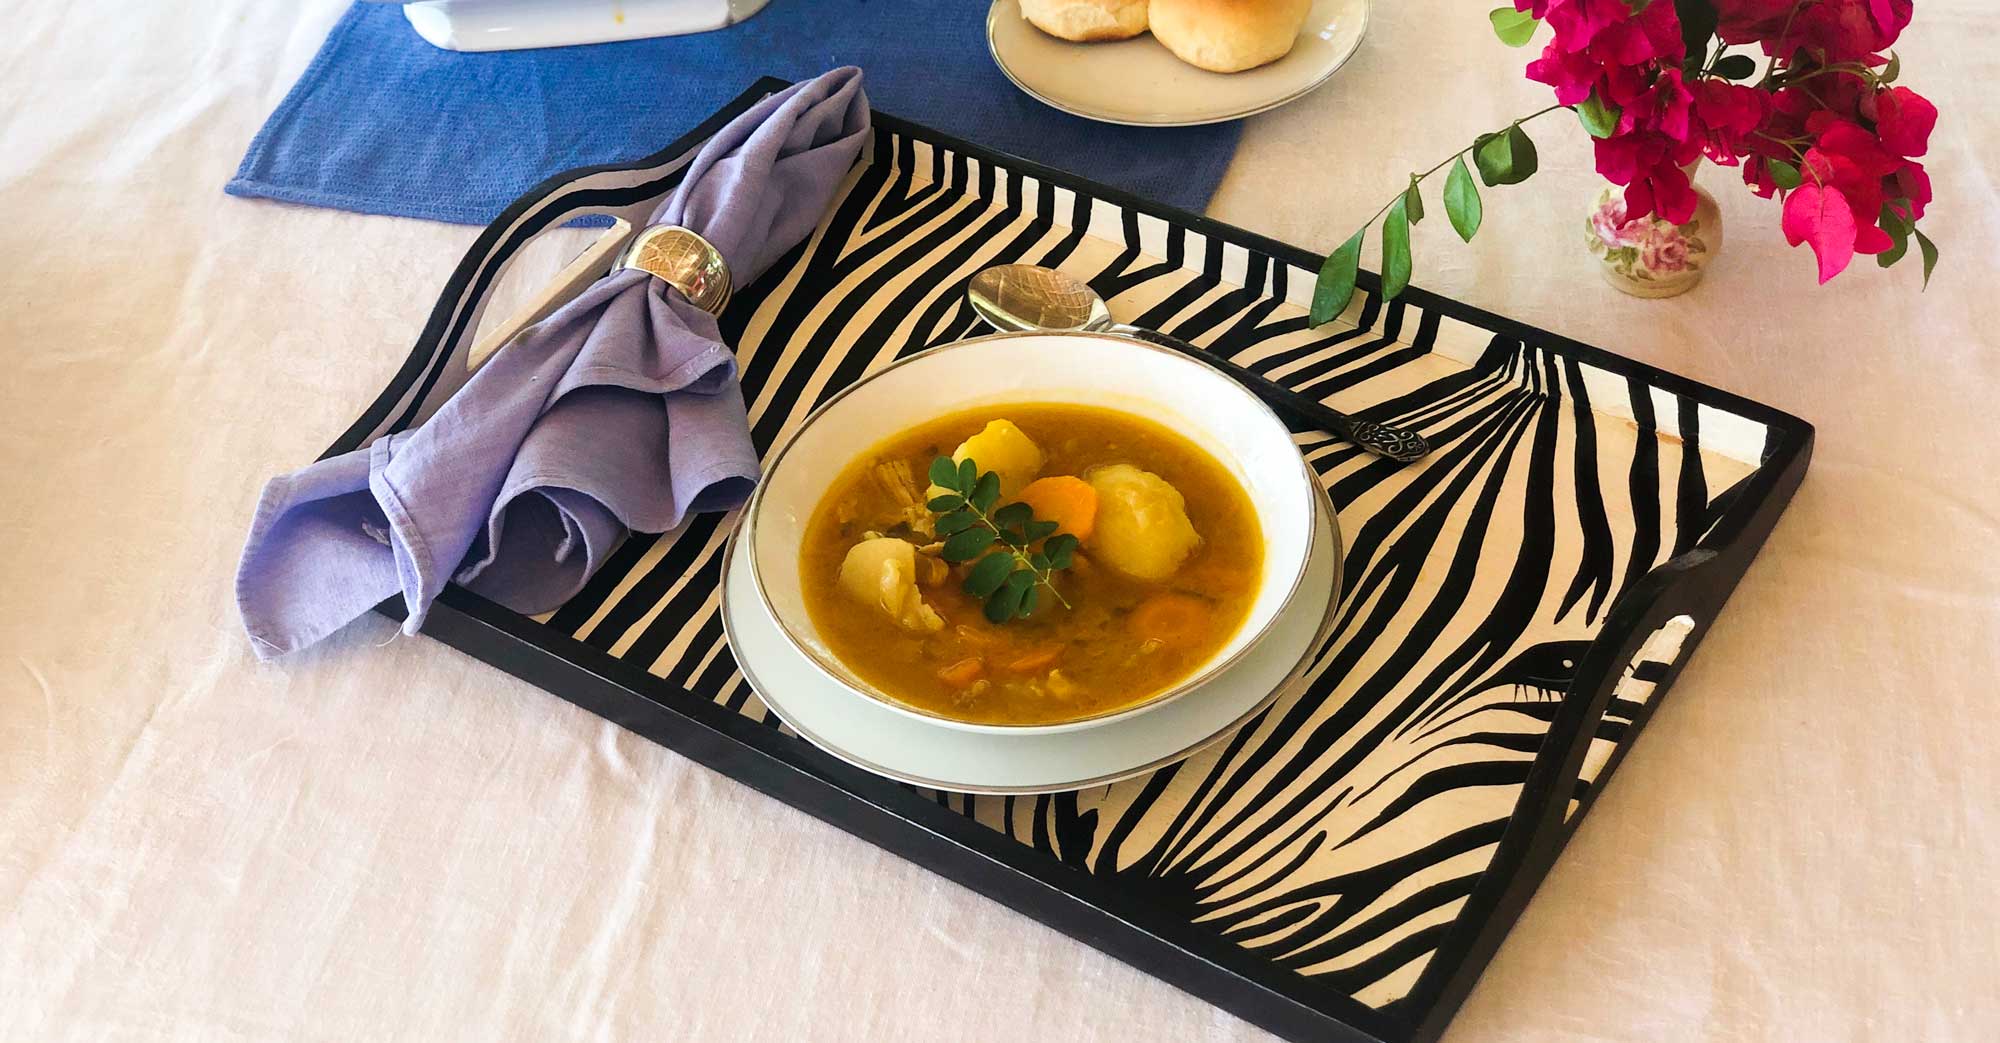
682, 259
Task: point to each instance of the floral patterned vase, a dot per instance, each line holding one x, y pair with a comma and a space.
1649, 257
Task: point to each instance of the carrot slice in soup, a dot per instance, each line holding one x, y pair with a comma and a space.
1035, 660
964, 673
1170, 617
1065, 499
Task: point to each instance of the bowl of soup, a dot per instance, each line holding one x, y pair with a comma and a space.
1035, 531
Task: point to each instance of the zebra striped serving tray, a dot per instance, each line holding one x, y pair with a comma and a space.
1514, 606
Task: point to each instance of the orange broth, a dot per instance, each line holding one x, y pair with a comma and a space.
1119, 641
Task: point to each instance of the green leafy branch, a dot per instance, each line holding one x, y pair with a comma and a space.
1010, 579
1896, 221
1504, 157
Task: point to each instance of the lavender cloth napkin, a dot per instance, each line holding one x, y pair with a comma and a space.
621, 411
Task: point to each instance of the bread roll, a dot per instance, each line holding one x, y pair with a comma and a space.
1228, 35
1087, 20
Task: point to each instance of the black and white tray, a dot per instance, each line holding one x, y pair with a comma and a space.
1514, 607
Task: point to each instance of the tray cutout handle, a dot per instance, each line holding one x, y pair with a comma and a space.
587, 267
1641, 645
1630, 699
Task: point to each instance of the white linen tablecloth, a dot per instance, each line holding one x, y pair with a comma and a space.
385, 839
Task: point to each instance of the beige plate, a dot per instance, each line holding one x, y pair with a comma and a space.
1140, 83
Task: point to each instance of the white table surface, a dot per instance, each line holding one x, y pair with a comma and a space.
385, 839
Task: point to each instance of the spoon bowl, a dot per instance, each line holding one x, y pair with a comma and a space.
1019, 298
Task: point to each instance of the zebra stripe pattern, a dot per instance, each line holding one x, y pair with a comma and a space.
1341, 831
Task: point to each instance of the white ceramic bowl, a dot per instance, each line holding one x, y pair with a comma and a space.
1115, 372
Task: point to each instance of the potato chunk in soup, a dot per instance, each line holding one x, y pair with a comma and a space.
1005, 450
882, 572
1142, 524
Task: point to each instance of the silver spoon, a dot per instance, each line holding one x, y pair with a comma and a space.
1019, 298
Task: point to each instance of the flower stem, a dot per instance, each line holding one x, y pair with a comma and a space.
1446, 161
1792, 144
1790, 16
1709, 66
1781, 77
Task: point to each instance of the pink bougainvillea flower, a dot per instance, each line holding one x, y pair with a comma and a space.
1664, 108
1617, 158
1820, 218
1757, 174
1794, 103
1622, 85
1840, 30
1728, 113
1599, 44
1891, 18
1648, 164
1662, 25
1578, 22
1730, 107
1673, 194
1840, 92
1861, 191
1621, 157
1639, 197
1746, 21
1572, 74
1538, 8
1625, 43
1914, 184
1848, 140
1855, 161
1904, 119
1663, 189
1870, 238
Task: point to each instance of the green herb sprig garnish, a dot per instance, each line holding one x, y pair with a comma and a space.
1010, 578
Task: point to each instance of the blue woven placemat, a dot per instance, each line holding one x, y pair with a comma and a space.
384, 123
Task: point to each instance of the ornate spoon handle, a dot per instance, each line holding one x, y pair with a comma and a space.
1384, 440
